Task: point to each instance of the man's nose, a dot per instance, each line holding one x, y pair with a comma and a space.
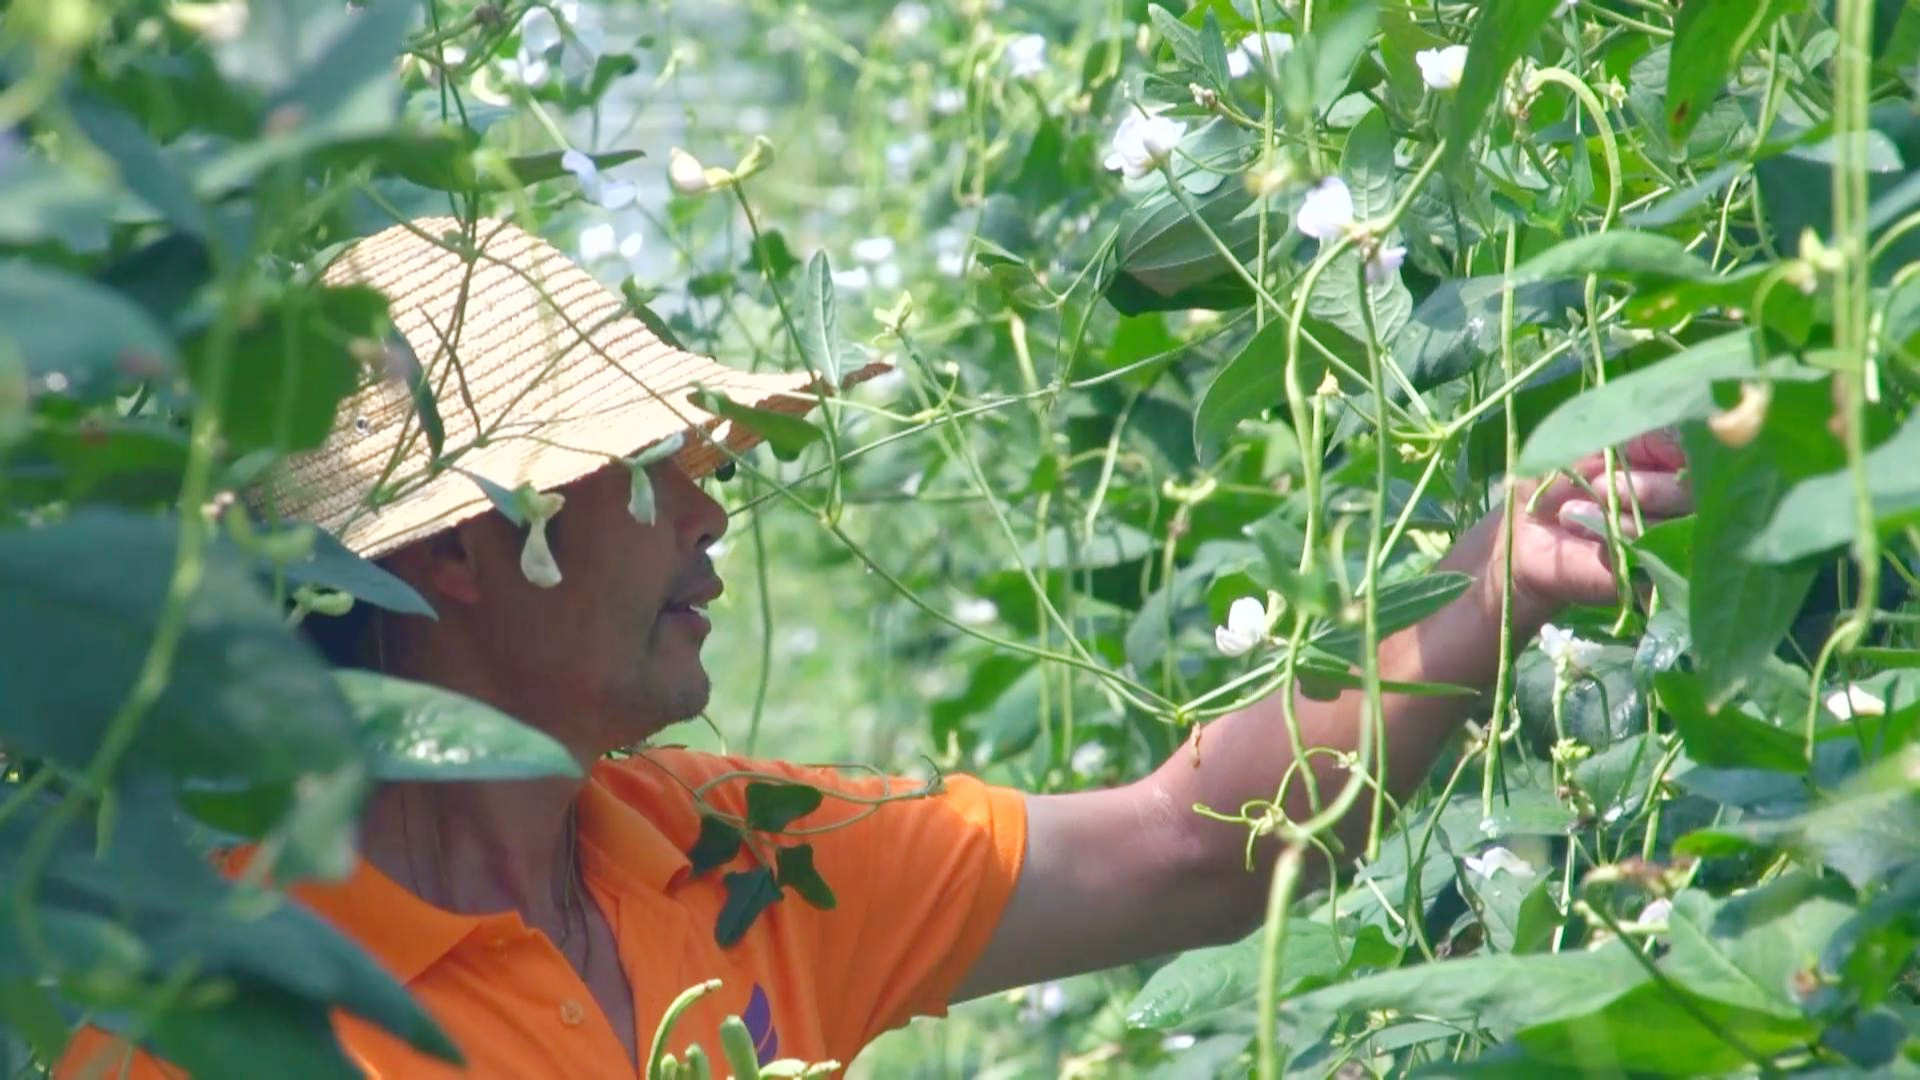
700, 520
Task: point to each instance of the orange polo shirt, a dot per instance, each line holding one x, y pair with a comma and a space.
920, 885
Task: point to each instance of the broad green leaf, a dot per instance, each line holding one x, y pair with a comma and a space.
1459, 323
1163, 250
1502, 34
816, 326
1615, 254
1342, 293
1256, 379
1675, 207
332, 565
45, 202
415, 731
1739, 608
1316, 73
1677, 388
1709, 39
1726, 738
1600, 709
773, 807
718, 843
98, 338
785, 433
1501, 993
797, 872
1112, 543
1751, 961
1817, 514
1204, 981
29, 1008
1400, 605
749, 892
141, 165
287, 371
245, 698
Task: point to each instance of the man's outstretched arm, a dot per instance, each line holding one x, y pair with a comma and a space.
1131, 872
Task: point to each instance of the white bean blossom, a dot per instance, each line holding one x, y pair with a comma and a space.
1385, 262
1568, 652
536, 558
1026, 56
1495, 859
685, 172
1442, 69
1855, 701
1273, 45
1657, 911
1246, 627
613, 195
1142, 142
1327, 211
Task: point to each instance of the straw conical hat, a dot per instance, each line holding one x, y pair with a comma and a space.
540, 374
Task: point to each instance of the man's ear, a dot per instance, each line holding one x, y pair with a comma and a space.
442, 567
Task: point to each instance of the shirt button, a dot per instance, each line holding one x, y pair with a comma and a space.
571, 1014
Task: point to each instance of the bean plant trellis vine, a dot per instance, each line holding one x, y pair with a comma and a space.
1679, 838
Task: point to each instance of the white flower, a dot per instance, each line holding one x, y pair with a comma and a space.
612, 195
1246, 627
528, 70
1173, 1044
950, 251
1044, 1001
1327, 211
1385, 262
1026, 56
1088, 759
1567, 651
1273, 44
598, 241
536, 558
974, 610
949, 100
874, 249
1656, 911
910, 17
538, 31
1142, 142
685, 173
858, 279
1495, 859
1854, 701
1442, 69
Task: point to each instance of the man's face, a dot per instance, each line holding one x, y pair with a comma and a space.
612, 653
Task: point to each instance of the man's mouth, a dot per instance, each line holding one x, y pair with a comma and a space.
690, 605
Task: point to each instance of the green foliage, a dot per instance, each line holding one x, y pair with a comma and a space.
1122, 403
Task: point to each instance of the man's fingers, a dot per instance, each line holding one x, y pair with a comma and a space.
1656, 451
1658, 495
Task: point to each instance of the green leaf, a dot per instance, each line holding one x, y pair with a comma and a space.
1739, 609
1256, 378
1677, 388
1617, 254
1159, 245
773, 807
816, 327
1400, 605
41, 202
245, 698
142, 166
797, 873
531, 169
1341, 296
1866, 831
787, 434
1459, 323
1203, 981
749, 892
27, 1007
97, 338
414, 731
289, 369
1709, 38
1502, 35
1817, 514
718, 843
332, 565
1726, 738
1324, 61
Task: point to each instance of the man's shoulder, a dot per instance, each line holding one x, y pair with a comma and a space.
677, 775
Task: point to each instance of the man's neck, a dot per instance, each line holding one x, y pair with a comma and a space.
479, 847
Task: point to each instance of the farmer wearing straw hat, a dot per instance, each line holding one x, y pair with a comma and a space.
547, 924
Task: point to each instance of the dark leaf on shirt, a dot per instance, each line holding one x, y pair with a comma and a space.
797, 872
749, 893
772, 807
719, 842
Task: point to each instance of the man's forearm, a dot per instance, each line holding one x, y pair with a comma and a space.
1245, 755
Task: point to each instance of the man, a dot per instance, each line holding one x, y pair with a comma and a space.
548, 923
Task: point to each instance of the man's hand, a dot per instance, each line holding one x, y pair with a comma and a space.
1560, 550
1123, 874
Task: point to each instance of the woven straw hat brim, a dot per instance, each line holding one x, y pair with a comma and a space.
540, 375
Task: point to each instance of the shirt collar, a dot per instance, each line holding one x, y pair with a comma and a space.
619, 841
